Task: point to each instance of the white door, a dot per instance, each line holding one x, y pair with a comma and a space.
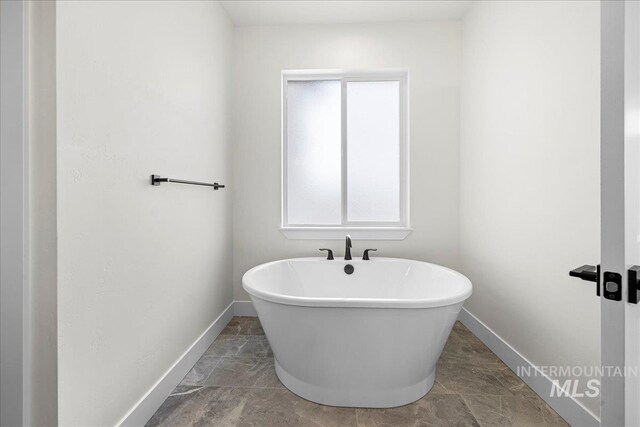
632, 208
620, 210
618, 275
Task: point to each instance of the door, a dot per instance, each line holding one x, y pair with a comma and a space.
620, 200
618, 276
632, 207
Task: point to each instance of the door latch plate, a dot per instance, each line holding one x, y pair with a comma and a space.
612, 286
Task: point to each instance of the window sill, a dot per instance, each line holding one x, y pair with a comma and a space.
338, 233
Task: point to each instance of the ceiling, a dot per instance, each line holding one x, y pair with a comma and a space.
292, 12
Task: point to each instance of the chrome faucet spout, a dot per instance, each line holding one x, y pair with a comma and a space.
347, 249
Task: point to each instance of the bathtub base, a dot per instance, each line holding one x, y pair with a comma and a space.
387, 398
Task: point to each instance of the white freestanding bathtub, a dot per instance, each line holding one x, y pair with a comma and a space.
368, 339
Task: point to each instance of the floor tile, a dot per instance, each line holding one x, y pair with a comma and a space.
227, 345
240, 346
256, 346
245, 372
462, 347
233, 327
283, 408
201, 370
464, 379
251, 326
243, 326
512, 411
438, 388
460, 329
432, 410
201, 406
514, 383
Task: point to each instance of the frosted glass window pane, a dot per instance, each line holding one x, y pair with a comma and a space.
314, 152
373, 151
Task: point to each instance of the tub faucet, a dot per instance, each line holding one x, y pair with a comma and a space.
347, 249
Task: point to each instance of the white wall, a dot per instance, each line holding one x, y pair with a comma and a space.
143, 271
431, 52
529, 175
43, 284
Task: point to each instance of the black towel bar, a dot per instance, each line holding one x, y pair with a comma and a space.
157, 179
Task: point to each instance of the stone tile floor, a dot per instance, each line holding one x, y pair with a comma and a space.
234, 384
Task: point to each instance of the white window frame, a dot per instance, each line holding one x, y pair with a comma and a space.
358, 230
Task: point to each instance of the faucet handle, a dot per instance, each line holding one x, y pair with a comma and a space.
365, 255
329, 253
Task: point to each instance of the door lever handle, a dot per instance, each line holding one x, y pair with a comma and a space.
590, 273
586, 272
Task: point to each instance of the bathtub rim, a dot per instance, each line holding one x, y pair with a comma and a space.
357, 302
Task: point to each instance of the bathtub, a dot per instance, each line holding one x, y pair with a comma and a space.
367, 339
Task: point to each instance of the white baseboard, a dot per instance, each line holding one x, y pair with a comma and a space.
144, 409
244, 308
569, 408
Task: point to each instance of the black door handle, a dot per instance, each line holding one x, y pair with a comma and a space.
586, 272
590, 273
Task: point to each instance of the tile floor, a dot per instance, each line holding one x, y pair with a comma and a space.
234, 384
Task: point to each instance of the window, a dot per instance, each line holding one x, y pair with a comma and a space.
345, 155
